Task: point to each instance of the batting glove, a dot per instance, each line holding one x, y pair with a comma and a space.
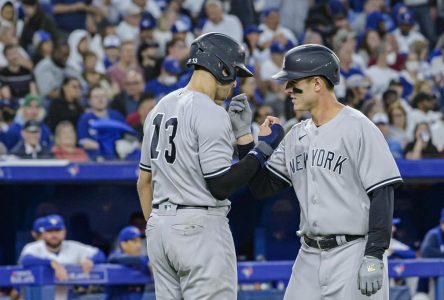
240, 115
266, 144
370, 275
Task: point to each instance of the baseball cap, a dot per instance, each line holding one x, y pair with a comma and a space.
373, 20
406, 18
129, 233
172, 66
181, 25
40, 36
38, 225
357, 80
277, 47
29, 98
268, 10
32, 126
111, 41
252, 28
147, 22
380, 118
53, 222
442, 215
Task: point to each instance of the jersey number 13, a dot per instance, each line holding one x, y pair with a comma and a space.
169, 128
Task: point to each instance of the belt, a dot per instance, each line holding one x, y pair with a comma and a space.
156, 206
331, 241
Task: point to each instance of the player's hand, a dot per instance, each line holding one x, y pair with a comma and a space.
370, 275
265, 128
59, 270
240, 115
87, 265
271, 134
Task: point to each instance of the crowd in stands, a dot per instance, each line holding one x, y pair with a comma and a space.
78, 77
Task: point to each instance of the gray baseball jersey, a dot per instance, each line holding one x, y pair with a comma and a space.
332, 169
187, 139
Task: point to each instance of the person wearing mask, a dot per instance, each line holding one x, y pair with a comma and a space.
67, 107
422, 146
126, 101
400, 129
30, 147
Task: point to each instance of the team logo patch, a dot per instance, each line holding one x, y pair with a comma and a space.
371, 268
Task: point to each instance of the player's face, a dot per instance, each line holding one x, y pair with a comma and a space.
132, 247
302, 94
54, 238
223, 91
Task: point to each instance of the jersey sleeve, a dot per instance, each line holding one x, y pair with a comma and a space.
276, 163
376, 165
214, 136
145, 156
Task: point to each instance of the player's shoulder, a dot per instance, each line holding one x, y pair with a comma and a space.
34, 245
357, 121
75, 245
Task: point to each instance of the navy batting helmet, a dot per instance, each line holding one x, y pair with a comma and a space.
310, 60
220, 55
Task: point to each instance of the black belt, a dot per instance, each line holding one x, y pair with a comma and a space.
330, 242
156, 206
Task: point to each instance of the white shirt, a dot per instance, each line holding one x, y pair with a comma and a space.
126, 32
230, 25
437, 130
405, 41
268, 69
71, 252
380, 78
431, 117
437, 66
268, 34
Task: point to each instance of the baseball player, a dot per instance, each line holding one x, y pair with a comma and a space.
341, 169
187, 174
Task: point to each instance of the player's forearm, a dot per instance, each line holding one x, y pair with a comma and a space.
380, 221
264, 184
145, 191
243, 149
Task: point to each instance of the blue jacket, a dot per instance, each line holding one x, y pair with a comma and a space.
13, 136
433, 245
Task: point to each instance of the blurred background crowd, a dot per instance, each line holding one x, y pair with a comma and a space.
78, 77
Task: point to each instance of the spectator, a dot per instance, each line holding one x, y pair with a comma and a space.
117, 73
98, 145
35, 20
16, 80
381, 74
218, 21
358, 90
372, 40
423, 104
78, 42
146, 29
181, 30
70, 15
67, 107
437, 64
91, 76
9, 15
438, 134
406, 34
43, 46
166, 82
345, 55
422, 10
255, 54
177, 49
54, 251
129, 254
31, 110
30, 147
273, 31
128, 28
137, 119
148, 59
126, 101
111, 46
273, 64
50, 71
422, 146
66, 143
382, 122
8, 38
398, 249
400, 128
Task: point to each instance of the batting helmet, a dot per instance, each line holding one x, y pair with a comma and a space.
310, 60
220, 55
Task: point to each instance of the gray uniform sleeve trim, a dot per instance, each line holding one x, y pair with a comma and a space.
278, 174
145, 167
384, 182
216, 173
